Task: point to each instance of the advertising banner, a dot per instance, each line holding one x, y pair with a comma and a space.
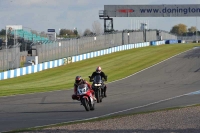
187, 10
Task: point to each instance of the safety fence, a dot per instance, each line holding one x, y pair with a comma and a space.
12, 58
9, 57
70, 59
194, 38
71, 47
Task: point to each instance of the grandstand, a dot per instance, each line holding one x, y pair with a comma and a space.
23, 36
27, 35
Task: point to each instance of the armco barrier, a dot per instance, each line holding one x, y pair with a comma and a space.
181, 41
30, 69
52, 64
156, 43
172, 41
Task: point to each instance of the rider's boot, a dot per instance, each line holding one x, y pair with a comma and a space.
102, 92
94, 98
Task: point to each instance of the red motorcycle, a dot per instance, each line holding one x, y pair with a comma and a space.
85, 97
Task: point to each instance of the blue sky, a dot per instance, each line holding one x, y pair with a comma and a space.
41, 15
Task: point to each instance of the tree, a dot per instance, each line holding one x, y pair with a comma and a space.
67, 32
76, 32
175, 29
34, 32
96, 27
192, 29
179, 29
87, 32
3, 32
43, 34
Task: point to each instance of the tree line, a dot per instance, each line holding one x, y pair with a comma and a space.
179, 29
96, 30
68, 33
182, 30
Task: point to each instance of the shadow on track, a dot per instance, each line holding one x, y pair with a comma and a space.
60, 103
53, 111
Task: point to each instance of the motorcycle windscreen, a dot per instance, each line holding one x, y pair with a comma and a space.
97, 79
82, 89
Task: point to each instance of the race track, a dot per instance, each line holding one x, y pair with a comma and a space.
174, 82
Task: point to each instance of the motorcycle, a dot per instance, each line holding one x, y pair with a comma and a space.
85, 97
97, 86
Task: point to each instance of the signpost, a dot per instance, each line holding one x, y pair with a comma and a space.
51, 34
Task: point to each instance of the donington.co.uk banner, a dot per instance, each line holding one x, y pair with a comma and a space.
187, 10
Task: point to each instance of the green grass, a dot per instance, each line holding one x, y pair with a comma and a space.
116, 66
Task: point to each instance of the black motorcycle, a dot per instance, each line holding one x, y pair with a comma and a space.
97, 86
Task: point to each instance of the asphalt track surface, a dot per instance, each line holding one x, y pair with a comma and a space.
171, 83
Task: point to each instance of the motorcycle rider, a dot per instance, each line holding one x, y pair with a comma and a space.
79, 81
102, 74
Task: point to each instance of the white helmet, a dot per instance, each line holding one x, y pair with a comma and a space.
98, 70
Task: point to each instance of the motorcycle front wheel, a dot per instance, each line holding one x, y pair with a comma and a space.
92, 106
85, 104
97, 95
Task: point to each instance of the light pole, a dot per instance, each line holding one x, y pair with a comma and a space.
144, 27
95, 38
75, 31
128, 37
59, 33
196, 31
6, 38
77, 41
6, 46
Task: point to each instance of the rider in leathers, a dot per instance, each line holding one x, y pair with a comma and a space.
79, 81
102, 74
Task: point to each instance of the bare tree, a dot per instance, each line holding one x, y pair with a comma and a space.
80, 32
34, 32
96, 28
43, 34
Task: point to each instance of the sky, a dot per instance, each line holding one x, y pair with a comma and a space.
41, 15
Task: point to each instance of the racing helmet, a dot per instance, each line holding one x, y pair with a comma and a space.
98, 69
78, 80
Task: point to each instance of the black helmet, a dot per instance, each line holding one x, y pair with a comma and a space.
78, 80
